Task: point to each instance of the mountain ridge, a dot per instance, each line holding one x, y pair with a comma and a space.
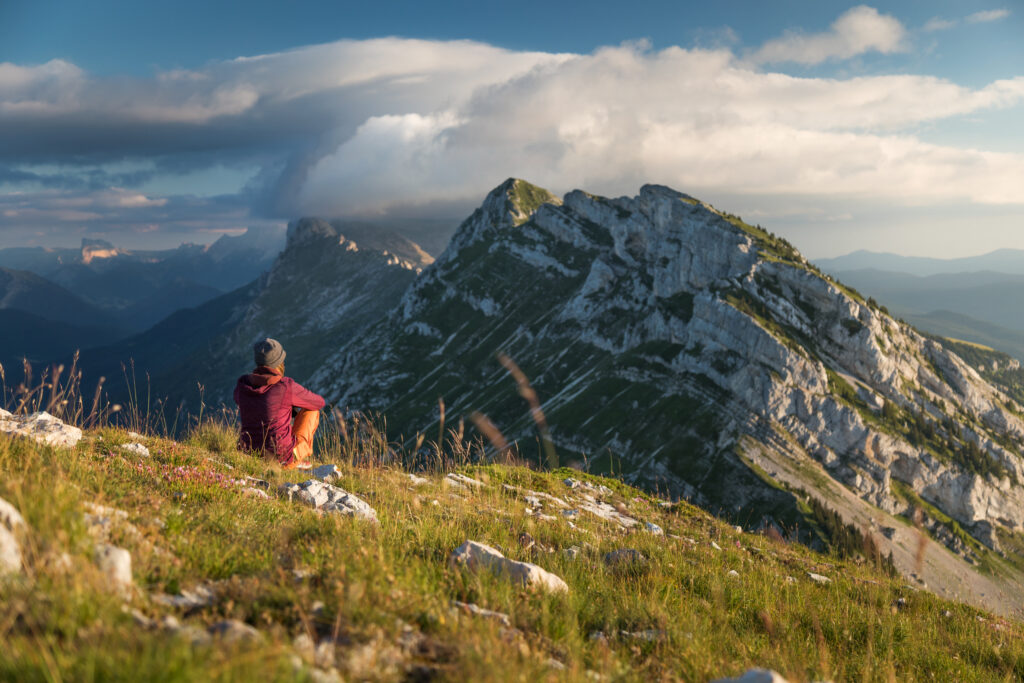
664, 335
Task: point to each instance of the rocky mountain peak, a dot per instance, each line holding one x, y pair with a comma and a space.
698, 354
308, 230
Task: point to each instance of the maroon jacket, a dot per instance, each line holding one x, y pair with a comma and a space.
265, 400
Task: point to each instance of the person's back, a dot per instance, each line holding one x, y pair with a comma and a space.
267, 401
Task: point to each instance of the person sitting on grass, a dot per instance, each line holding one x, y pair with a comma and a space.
267, 402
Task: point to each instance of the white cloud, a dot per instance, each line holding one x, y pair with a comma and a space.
987, 15
938, 24
860, 29
696, 120
365, 126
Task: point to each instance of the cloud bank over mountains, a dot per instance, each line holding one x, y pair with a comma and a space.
372, 126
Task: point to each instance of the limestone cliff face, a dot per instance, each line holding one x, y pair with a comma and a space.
659, 332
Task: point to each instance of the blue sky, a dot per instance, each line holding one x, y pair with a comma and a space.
888, 126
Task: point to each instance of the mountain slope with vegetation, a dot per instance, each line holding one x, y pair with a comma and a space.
230, 580
700, 355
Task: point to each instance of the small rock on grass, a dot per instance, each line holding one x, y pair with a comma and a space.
233, 631
41, 427
327, 473
756, 676
624, 556
10, 517
653, 528
818, 578
134, 448
116, 564
10, 552
11, 523
455, 479
474, 556
328, 498
197, 598
476, 610
650, 635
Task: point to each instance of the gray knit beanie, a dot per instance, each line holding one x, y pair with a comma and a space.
268, 352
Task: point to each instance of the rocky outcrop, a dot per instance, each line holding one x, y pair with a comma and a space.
661, 333
475, 556
41, 427
328, 498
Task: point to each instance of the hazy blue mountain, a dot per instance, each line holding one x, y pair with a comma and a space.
991, 297
24, 335
958, 326
1002, 260
139, 288
25, 291
169, 352
331, 281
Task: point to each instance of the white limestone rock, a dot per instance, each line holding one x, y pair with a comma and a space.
234, 632
328, 498
134, 449
116, 565
10, 517
10, 552
189, 600
478, 611
475, 556
41, 427
457, 480
326, 473
756, 676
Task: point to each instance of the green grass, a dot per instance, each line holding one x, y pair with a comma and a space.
528, 198
194, 526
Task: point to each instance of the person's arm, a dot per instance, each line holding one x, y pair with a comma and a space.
306, 399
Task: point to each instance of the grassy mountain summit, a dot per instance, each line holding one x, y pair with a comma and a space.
702, 356
230, 580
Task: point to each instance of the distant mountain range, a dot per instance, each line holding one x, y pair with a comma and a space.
329, 283
977, 298
139, 288
1010, 261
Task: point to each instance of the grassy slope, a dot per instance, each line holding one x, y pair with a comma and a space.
61, 624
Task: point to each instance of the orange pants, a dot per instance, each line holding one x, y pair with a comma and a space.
303, 429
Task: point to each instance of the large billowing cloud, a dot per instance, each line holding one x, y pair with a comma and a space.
363, 127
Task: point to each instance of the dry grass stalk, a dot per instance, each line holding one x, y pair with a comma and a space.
528, 393
493, 435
